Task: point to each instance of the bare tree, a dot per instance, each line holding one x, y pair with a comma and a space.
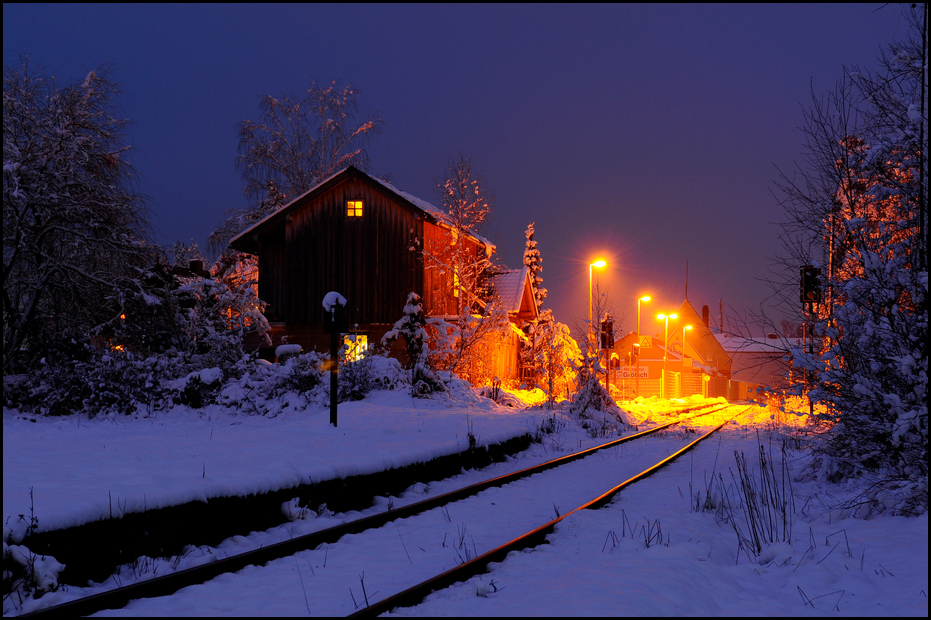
466, 205
296, 144
73, 226
557, 356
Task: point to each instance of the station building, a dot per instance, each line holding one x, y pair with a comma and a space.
701, 360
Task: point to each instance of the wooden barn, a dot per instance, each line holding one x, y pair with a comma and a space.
363, 238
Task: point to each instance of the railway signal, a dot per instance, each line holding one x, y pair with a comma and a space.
607, 333
811, 285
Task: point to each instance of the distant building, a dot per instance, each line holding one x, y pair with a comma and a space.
703, 361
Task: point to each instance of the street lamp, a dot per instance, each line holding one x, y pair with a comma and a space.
637, 344
684, 339
591, 332
665, 350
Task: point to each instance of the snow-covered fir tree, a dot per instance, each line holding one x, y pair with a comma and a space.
411, 328
534, 263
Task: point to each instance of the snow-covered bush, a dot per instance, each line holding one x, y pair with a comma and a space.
216, 319
302, 374
425, 382
27, 575
387, 373
593, 406
199, 388
557, 355
356, 379
857, 215
93, 382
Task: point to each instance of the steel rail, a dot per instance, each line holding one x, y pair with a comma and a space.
172, 582
415, 594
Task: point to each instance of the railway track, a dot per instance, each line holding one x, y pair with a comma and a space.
172, 582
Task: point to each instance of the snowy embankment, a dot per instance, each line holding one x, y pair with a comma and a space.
648, 553
80, 470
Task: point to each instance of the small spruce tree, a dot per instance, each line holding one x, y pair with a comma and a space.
411, 327
534, 263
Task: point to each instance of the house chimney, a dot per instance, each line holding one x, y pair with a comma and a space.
705, 314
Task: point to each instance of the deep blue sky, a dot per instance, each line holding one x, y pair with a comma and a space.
648, 134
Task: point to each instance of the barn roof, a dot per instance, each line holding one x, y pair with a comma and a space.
246, 240
515, 290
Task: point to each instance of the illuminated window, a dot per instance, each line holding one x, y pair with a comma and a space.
355, 346
354, 208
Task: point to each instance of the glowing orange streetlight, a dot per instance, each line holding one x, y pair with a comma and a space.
665, 317
637, 344
684, 339
598, 263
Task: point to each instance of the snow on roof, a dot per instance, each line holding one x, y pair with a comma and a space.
510, 287
435, 212
282, 208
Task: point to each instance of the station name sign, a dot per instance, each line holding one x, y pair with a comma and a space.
630, 372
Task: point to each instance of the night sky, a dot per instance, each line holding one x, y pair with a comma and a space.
647, 135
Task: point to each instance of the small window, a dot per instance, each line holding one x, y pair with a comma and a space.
354, 208
355, 346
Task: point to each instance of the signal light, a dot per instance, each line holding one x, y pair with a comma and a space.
811, 285
607, 333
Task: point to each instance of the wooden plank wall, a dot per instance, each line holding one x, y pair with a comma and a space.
438, 273
319, 249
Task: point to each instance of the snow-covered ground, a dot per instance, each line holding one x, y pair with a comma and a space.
598, 562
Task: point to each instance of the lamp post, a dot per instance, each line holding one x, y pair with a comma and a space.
661, 317
637, 344
684, 339
591, 330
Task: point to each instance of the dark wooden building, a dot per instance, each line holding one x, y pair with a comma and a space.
361, 237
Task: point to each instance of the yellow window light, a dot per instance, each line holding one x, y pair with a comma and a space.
354, 208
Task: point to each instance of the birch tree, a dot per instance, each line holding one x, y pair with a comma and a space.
295, 144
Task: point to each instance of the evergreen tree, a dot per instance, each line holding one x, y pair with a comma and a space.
411, 327
534, 263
